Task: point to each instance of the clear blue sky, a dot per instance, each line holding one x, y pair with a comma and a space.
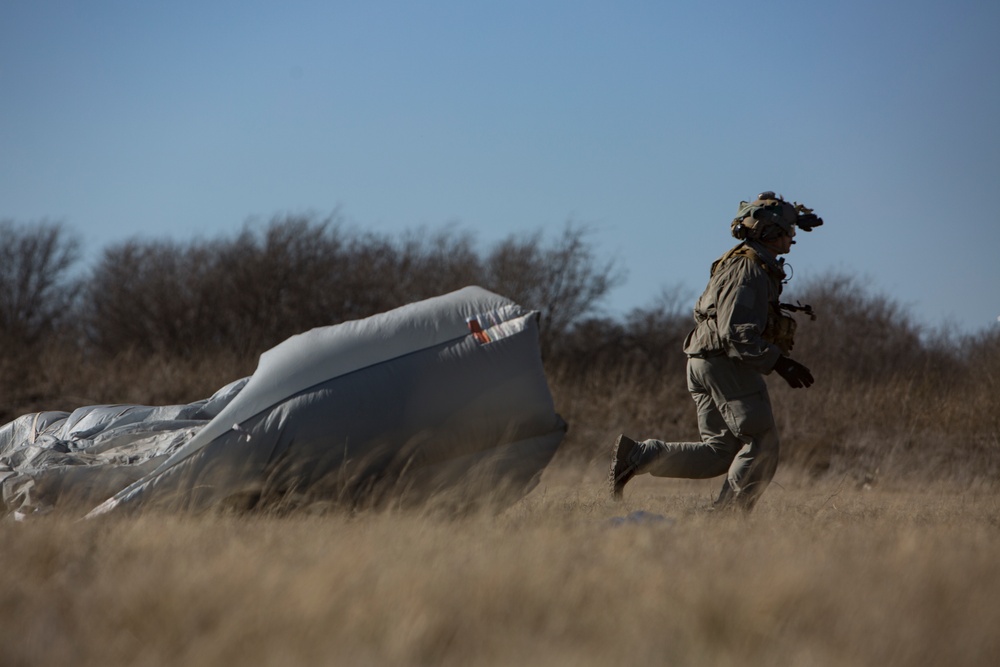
648, 120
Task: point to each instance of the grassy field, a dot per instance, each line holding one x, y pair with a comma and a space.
824, 573
877, 544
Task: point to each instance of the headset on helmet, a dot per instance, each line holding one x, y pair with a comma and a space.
770, 216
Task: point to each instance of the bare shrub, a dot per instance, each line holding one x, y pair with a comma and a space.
152, 305
170, 322
379, 273
273, 283
37, 293
611, 376
859, 335
150, 297
887, 395
980, 384
299, 273
251, 292
36, 288
563, 280
435, 262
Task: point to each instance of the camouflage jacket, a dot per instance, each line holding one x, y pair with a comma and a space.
732, 314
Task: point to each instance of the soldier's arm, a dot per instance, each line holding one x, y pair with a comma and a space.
742, 316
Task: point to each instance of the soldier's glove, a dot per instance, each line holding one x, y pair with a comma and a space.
794, 373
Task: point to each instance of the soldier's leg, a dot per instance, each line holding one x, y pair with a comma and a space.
692, 460
754, 465
711, 457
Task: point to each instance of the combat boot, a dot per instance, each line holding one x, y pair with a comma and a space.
622, 470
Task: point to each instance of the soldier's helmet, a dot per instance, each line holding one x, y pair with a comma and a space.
770, 216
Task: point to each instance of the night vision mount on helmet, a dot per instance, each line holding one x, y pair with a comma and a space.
770, 216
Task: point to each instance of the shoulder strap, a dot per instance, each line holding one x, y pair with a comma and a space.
743, 250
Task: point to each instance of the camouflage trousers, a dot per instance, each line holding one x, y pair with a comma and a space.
738, 435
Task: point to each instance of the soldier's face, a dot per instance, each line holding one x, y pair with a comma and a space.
780, 245
786, 244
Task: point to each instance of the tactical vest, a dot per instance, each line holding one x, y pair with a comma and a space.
780, 327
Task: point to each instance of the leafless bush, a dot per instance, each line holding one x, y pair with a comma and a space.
610, 376
249, 293
270, 284
151, 297
168, 322
861, 336
36, 286
37, 291
563, 280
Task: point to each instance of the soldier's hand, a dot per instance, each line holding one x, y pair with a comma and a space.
794, 373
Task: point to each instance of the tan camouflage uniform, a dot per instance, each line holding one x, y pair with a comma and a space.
727, 359
733, 346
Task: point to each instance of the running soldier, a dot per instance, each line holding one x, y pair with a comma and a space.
741, 334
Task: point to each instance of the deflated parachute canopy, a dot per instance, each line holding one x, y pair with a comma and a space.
446, 395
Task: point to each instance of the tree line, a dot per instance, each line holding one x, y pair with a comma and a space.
159, 321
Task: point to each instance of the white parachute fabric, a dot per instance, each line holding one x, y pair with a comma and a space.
63, 459
446, 394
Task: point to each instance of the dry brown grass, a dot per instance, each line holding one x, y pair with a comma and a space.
828, 570
821, 574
